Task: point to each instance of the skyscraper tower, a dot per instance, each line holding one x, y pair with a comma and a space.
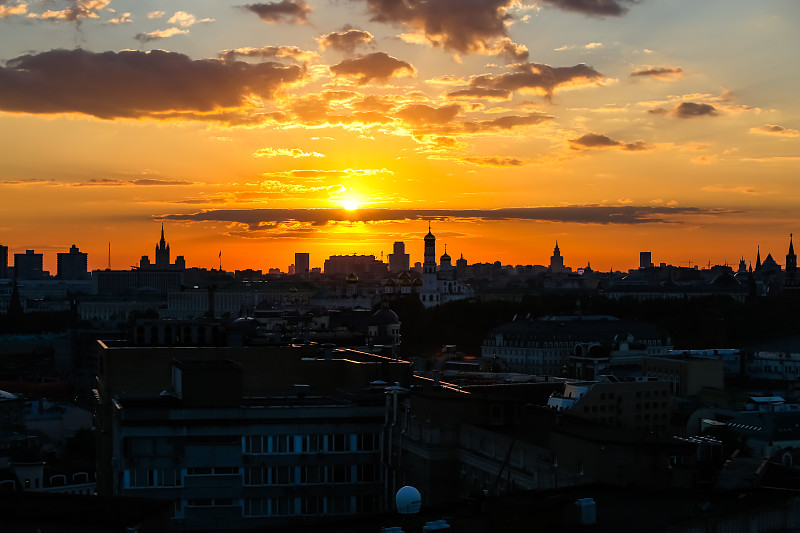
556, 261
162, 252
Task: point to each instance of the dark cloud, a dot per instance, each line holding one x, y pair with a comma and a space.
661, 73
507, 122
379, 66
465, 26
345, 41
495, 161
614, 8
292, 11
539, 77
595, 140
134, 84
270, 52
589, 214
691, 110
774, 129
480, 93
423, 114
108, 182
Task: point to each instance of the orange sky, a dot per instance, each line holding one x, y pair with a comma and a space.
612, 127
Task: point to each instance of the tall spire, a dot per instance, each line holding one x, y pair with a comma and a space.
758, 258
163, 241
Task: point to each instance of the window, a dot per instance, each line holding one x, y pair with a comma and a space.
140, 477
367, 442
169, 477
256, 476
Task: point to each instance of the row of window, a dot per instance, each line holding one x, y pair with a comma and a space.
334, 442
262, 475
311, 474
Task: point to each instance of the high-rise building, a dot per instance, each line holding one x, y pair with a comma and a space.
301, 264
162, 252
645, 260
399, 260
3, 262
28, 265
556, 261
72, 265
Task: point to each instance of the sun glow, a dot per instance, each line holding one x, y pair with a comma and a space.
350, 204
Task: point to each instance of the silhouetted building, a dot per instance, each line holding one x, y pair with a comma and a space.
29, 266
365, 266
162, 258
440, 283
399, 260
556, 261
72, 265
645, 260
3, 262
301, 264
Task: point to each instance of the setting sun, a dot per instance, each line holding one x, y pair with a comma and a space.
349, 204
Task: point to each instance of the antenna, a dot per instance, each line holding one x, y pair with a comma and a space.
109, 255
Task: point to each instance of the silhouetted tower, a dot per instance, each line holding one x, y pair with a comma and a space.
791, 265
430, 286
758, 259
556, 261
162, 252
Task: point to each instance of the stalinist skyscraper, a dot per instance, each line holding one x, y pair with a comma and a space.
162, 252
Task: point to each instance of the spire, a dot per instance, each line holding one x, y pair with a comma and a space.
758, 258
163, 242
791, 246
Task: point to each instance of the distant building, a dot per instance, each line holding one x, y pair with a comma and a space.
29, 266
399, 260
72, 265
301, 264
645, 260
364, 266
557, 262
3, 262
440, 283
162, 258
582, 346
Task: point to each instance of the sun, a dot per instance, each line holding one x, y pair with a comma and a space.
349, 204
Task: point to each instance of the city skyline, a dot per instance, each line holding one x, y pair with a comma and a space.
262, 130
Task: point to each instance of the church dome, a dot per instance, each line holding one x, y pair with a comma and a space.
404, 275
384, 316
389, 283
445, 258
725, 279
352, 278
417, 282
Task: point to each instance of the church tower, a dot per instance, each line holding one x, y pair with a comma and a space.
791, 266
162, 252
429, 294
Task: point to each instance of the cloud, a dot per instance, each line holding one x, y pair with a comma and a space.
686, 110
79, 9
464, 26
108, 182
740, 189
17, 9
293, 152
124, 18
507, 122
481, 93
496, 161
291, 11
345, 41
267, 52
539, 78
423, 114
159, 34
661, 73
155, 14
134, 84
581, 214
601, 8
774, 129
183, 19
692, 109
379, 66
595, 140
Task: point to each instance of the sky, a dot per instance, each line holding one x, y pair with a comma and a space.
252, 131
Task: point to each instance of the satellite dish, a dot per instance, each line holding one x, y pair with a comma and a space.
408, 500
